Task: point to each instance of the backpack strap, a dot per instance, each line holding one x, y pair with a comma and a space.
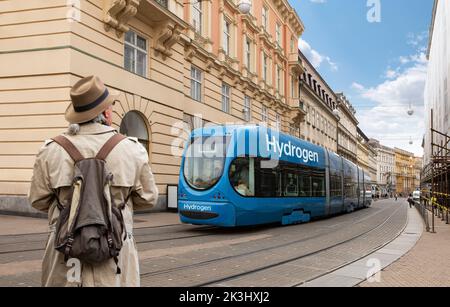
109, 146
68, 146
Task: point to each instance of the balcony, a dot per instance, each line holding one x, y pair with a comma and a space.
167, 25
295, 63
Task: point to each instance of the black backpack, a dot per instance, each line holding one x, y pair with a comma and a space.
90, 228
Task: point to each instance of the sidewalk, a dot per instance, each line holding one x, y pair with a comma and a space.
426, 265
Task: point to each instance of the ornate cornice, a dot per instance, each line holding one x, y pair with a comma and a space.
118, 13
266, 38
167, 36
250, 22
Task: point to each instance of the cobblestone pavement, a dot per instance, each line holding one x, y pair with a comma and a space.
187, 255
426, 265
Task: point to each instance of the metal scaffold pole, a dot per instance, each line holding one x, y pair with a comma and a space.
435, 175
432, 176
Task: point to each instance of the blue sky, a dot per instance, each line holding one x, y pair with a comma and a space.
380, 66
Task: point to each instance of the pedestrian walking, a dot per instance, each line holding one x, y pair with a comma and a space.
410, 201
89, 180
396, 196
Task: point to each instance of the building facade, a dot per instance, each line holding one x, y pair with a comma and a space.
385, 168
437, 89
347, 129
373, 157
175, 64
418, 165
366, 155
318, 101
404, 171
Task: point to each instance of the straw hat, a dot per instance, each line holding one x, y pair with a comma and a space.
90, 97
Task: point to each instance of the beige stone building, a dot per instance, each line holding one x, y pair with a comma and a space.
169, 60
318, 100
385, 167
366, 156
347, 129
418, 165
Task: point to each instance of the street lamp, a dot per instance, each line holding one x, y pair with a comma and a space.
410, 110
244, 6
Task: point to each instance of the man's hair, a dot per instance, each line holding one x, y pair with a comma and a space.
73, 129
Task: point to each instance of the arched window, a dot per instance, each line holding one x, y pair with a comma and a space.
134, 124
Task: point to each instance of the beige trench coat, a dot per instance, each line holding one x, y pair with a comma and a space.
52, 177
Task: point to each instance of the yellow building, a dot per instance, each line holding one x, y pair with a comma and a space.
169, 60
404, 171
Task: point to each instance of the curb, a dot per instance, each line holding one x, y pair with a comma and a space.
368, 267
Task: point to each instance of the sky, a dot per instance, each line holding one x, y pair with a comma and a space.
375, 52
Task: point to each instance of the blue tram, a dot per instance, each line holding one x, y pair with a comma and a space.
249, 175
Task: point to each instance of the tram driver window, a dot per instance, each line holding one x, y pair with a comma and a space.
242, 176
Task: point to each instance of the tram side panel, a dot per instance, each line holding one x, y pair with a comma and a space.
336, 183
361, 190
350, 185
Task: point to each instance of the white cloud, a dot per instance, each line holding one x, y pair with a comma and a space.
318, 1
388, 120
357, 86
391, 74
416, 39
315, 57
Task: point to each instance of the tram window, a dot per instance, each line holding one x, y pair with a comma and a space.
318, 186
335, 186
304, 185
290, 184
266, 184
242, 174
255, 177
204, 161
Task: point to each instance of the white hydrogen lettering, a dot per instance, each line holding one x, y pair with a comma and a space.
305, 155
279, 148
287, 149
311, 156
271, 144
291, 150
298, 152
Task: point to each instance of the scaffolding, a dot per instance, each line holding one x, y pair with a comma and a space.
435, 177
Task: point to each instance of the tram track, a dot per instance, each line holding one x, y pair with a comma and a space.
255, 252
43, 241
260, 269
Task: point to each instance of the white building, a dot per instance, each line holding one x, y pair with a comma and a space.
385, 167
438, 79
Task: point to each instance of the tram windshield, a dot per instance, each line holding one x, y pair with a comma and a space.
204, 161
